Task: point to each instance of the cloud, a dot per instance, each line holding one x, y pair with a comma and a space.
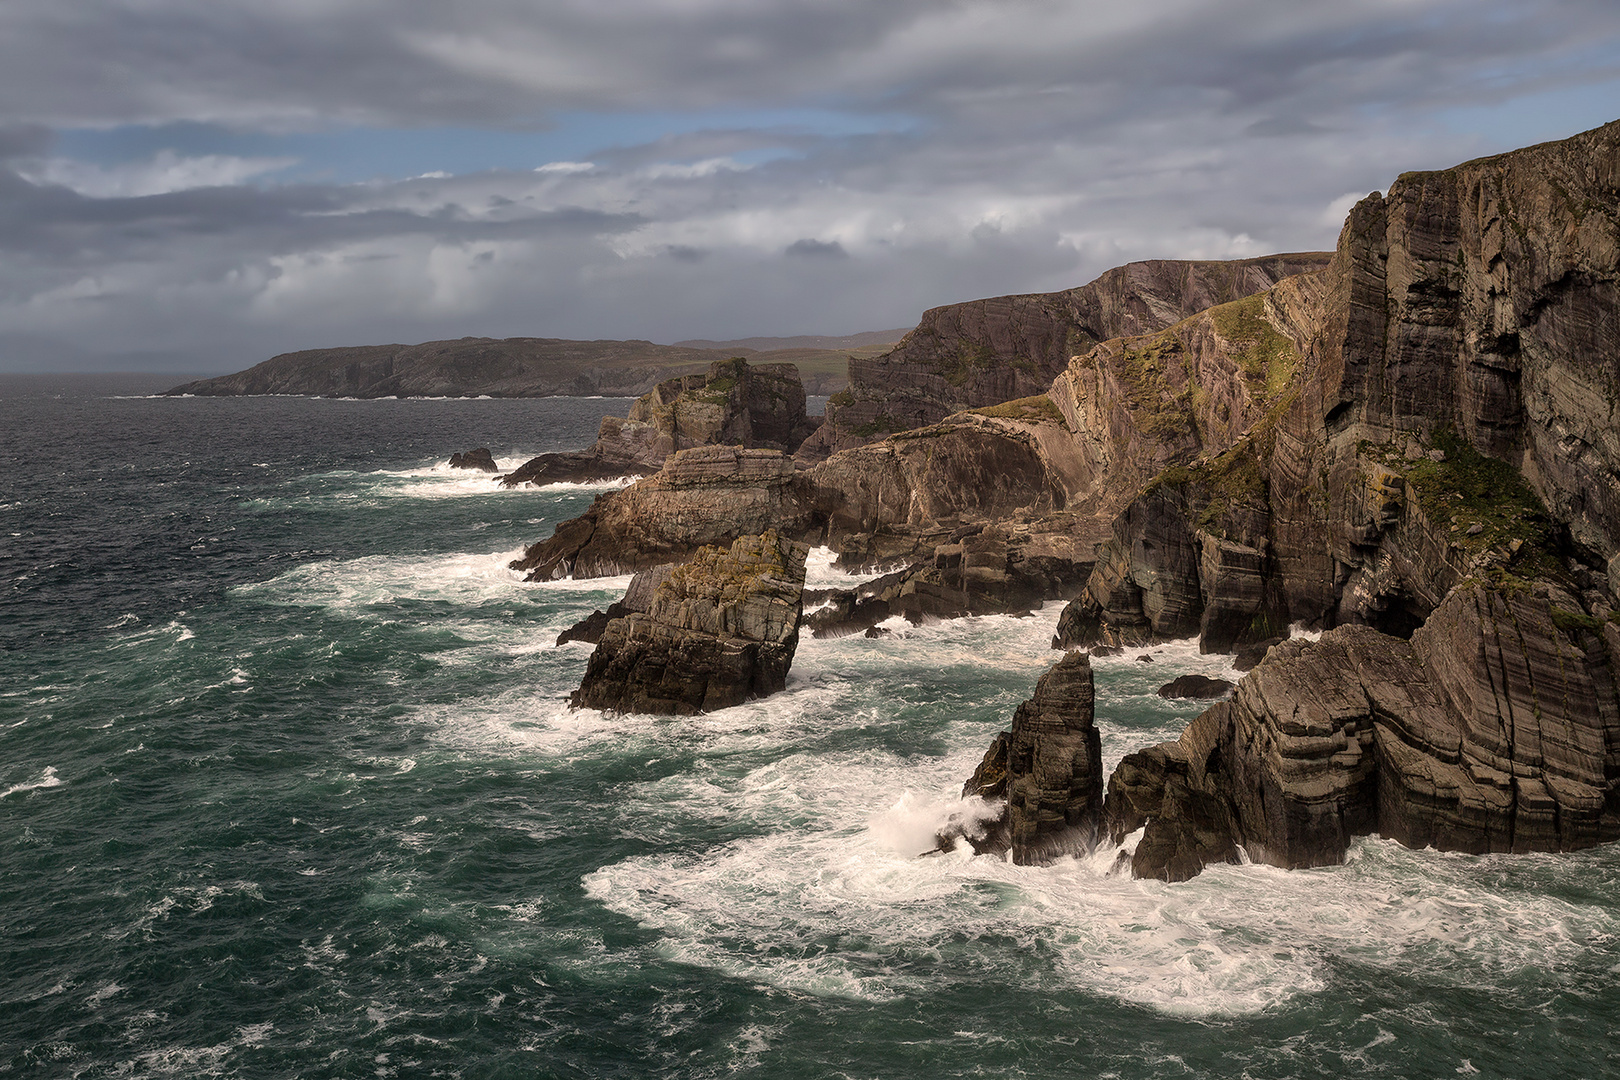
816, 249
165, 172
731, 167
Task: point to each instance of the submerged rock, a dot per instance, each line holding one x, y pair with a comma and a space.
718, 631
1049, 770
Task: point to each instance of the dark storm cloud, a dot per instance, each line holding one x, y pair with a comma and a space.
958, 149
816, 249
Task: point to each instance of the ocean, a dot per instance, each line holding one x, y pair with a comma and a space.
289, 787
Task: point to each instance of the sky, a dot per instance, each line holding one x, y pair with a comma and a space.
196, 185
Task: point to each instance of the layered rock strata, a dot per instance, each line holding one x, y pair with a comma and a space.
709, 495
637, 598
733, 402
983, 352
1495, 728
719, 630
1048, 768
1447, 410
1000, 569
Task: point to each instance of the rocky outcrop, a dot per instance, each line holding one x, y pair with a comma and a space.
979, 498
637, 598
984, 352
718, 631
1496, 728
480, 460
733, 402
709, 495
1048, 768
1189, 556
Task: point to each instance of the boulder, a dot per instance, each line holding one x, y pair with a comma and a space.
718, 631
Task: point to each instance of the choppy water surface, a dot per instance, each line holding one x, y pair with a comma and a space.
288, 787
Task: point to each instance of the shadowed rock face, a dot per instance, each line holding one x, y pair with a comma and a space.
734, 402
1049, 770
720, 630
1493, 729
983, 352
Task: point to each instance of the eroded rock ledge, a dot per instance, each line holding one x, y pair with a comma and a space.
719, 630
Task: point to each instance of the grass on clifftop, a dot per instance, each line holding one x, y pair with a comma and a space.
1039, 409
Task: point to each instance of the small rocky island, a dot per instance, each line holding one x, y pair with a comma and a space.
1410, 444
716, 631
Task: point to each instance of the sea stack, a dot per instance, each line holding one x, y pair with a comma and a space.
1048, 768
720, 630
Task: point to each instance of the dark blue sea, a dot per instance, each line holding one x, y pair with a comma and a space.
289, 788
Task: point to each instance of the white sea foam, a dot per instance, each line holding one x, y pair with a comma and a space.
464, 580
46, 779
819, 572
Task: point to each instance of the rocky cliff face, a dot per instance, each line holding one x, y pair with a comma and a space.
718, 631
965, 356
733, 402
1451, 413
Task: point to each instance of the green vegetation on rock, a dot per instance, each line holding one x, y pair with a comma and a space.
1264, 356
1486, 503
884, 423
1144, 369
1039, 409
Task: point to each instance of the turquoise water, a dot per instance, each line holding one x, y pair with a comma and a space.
289, 788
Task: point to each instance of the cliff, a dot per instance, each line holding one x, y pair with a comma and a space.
506, 367
980, 353
1437, 479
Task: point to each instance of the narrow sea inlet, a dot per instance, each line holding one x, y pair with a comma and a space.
289, 788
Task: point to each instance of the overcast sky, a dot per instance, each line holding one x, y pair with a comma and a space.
195, 185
